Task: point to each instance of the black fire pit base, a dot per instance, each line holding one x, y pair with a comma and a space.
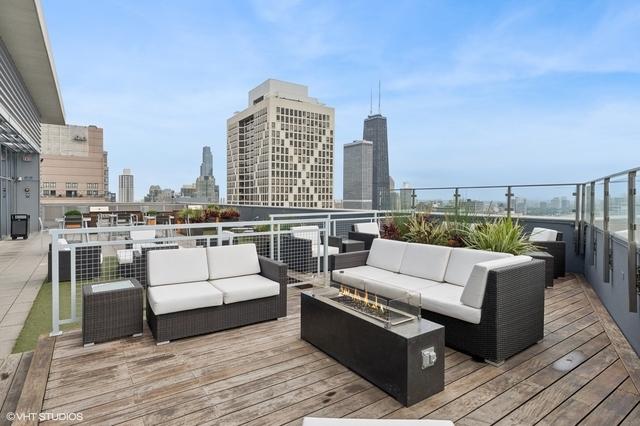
399, 360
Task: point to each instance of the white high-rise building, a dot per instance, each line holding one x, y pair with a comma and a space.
125, 187
280, 149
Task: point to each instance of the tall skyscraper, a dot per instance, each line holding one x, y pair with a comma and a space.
375, 130
206, 168
357, 175
280, 149
125, 187
74, 163
206, 188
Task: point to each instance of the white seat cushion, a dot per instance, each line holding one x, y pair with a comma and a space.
462, 260
425, 261
176, 266
311, 233
247, 287
145, 234
232, 261
318, 251
317, 421
473, 293
543, 234
165, 299
367, 228
125, 257
386, 254
382, 282
63, 244
445, 299
356, 277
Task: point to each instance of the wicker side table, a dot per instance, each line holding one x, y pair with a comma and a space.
111, 310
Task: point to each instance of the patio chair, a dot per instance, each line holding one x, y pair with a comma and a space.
550, 240
365, 232
301, 249
88, 262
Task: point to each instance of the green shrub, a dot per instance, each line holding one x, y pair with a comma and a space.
73, 213
421, 230
502, 235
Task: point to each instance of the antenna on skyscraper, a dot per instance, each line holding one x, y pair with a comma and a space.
371, 102
379, 85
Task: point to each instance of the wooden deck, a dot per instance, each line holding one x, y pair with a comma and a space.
582, 372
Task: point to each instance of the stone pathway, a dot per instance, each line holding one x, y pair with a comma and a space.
23, 268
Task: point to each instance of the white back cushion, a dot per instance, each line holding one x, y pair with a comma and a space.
368, 228
543, 234
146, 234
176, 266
386, 254
462, 260
232, 261
311, 233
425, 261
473, 293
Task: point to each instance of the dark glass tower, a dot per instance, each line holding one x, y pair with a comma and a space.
375, 130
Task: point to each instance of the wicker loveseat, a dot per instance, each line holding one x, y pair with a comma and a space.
201, 290
491, 304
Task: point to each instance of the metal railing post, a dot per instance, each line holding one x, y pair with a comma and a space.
326, 251
576, 225
73, 283
413, 200
456, 201
633, 245
592, 222
606, 248
583, 212
219, 235
271, 231
509, 194
55, 287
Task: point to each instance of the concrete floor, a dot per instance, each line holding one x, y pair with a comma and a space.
23, 268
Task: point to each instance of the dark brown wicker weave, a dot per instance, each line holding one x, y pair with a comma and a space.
113, 314
557, 249
512, 311
367, 239
549, 265
194, 322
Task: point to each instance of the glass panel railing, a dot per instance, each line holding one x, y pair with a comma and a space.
598, 205
484, 201
637, 204
437, 201
618, 206
544, 201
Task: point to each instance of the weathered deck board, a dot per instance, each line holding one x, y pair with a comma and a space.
264, 374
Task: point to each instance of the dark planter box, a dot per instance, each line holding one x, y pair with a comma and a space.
391, 359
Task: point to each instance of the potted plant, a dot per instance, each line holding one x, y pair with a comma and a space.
502, 235
190, 216
151, 217
229, 215
212, 213
72, 219
422, 230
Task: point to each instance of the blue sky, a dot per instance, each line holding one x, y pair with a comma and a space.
476, 93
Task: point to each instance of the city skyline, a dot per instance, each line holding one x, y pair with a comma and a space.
469, 82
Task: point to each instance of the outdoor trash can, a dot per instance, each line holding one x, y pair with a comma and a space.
19, 226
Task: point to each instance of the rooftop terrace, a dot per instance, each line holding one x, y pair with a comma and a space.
582, 372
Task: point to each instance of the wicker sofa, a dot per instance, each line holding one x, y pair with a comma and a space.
552, 242
491, 304
201, 290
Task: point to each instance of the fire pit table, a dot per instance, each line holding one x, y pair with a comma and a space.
383, 340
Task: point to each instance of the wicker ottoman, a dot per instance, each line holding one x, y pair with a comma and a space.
111, 310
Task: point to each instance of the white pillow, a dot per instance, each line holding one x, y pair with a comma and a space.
176, 266
232, 261
543, 234
425, 261
310, 232
368, 228
473, 293
462, 260
386, 254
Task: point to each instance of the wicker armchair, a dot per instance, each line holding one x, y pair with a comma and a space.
88, 263
358, 233
558, 250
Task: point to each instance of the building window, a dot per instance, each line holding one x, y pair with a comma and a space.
71, 185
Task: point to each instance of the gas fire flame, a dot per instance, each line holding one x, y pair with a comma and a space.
364, 299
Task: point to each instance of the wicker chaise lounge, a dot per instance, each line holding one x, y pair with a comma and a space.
491, 304
198, 291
